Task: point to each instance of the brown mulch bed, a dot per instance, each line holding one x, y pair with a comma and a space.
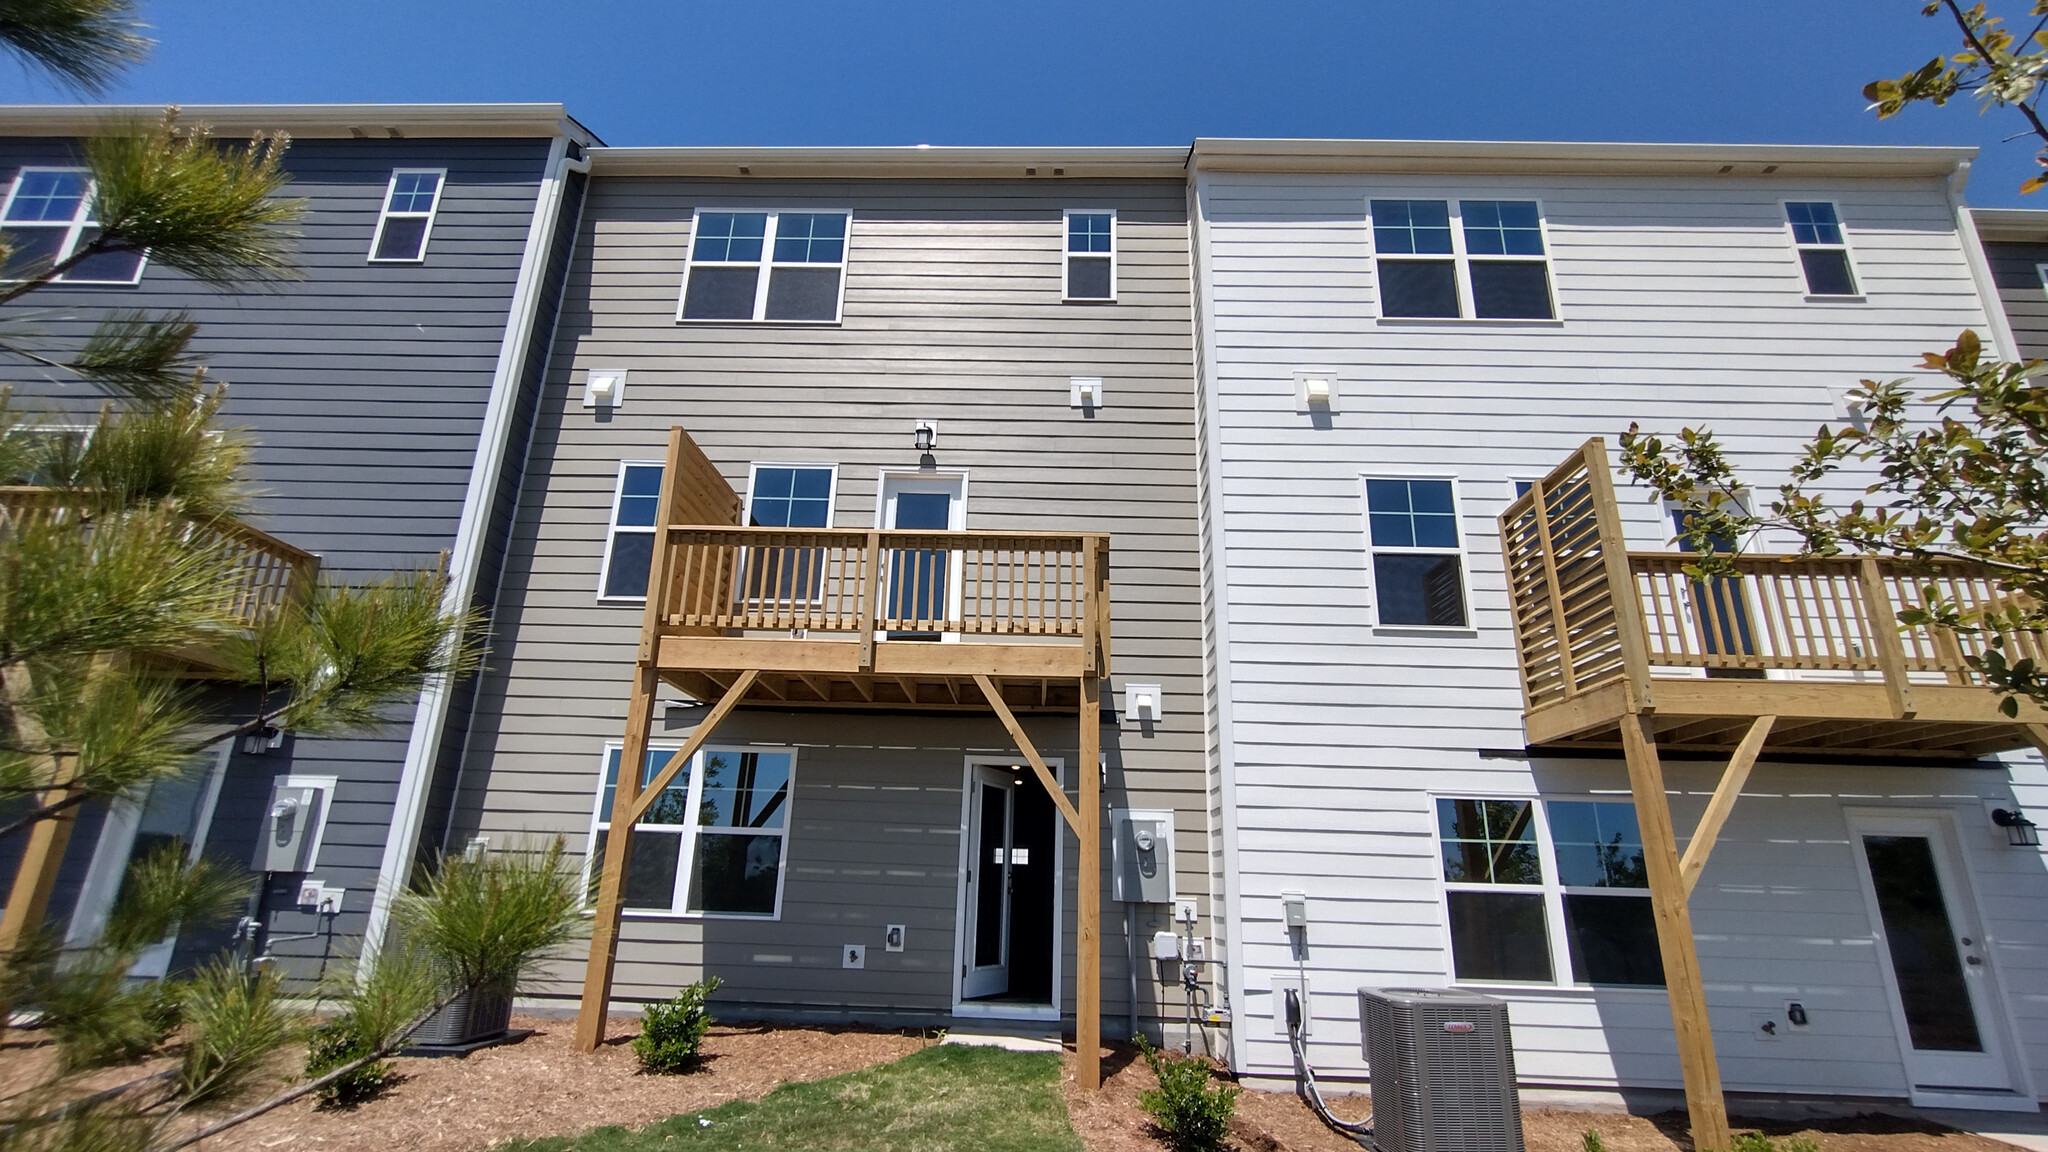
539, 1086
1110, 1121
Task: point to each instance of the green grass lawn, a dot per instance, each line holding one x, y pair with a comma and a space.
943, 1098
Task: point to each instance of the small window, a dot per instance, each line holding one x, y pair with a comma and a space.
1823, 250
1493, 884
410, 203
629, 543
1091, 255
1417, 564
714, 843
788, 267
1486, 260
48, 219
1608, 923
787, 496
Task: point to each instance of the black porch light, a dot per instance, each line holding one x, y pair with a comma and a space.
2020, 832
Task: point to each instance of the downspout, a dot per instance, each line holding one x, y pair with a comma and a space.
2002, 340
466, 558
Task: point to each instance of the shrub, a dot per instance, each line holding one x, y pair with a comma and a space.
1193, 1115
335, 1043
1591, 1141
1758, 1142
487, 923
670, 1032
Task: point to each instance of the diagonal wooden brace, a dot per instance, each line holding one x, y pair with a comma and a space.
652, 790
1024, 745
1723, 801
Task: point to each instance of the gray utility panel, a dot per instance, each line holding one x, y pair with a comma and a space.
1141, 855
288, 831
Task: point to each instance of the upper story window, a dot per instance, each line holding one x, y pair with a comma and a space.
1091, 255
48, 219
411, 201
1417, 563
780, 266
1444, 259
1509, 873
1823, 250
787, 496
629, 542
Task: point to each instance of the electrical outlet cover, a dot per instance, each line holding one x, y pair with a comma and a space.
309, 893
892, 938
853, 956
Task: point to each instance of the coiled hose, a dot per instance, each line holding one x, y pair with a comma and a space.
1305, 1079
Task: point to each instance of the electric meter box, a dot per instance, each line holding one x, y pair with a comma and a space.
1141, 855
289, 827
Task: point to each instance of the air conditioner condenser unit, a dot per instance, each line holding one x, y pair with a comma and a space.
1443, 1071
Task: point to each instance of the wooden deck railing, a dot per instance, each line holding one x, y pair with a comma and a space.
973, 584
1589, 612
268, 572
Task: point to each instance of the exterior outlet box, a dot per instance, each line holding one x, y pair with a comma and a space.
1198, 950
1294, 909
1165, 946
1795, 1016
853, 956
289, 827
892, 938
309, 893
1141, 855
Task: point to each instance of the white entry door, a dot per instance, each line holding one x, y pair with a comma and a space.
922, 583
992, 819
1933, 951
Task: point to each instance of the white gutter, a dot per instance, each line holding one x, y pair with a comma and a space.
464, 561
2002, 340
1216, 572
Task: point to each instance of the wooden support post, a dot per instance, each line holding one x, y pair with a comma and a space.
29, 896
1723, 801
1088, 908
870, 603
1884, 634
1682, 986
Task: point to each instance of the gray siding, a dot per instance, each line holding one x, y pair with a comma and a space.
362, 388
953, 313
2015, 268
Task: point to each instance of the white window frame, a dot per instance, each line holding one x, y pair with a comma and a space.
1847, 250
612, 530
73, 229
688, 830
767, 266
1463, 552
1067, 257
1461, 262
831, 498
384, 213
1553, 891
2040, 272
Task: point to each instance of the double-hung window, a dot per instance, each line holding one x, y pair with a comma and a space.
771, 266
1091, 255
629, 541
48, 219
1444, 259
787, 496
1513, 869
1417, 564
1823, 250
715, 842
410, 203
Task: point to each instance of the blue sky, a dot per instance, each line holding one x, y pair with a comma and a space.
1067, 72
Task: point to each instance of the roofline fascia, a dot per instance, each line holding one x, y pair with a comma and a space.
918, 160
1321, 155
311, 121
2012, 224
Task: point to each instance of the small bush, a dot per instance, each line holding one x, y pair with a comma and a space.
1758, 1142
335, 1043
670, 1032
1591, 1141
1193, 1115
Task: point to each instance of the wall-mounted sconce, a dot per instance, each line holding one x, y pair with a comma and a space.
2020, 832
1142, 702
604, 388
1315, 390
926, 436
1086, 392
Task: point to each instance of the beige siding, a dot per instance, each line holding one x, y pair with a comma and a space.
952, 313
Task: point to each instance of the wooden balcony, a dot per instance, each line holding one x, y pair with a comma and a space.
267, 572
1604, 632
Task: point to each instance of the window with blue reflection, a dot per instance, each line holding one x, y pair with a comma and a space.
809, 238
1411, 227
791, 498
414, 191
48, 197
639, 495
1597, 844
1411, 513
1501, 227
729, 236
1814, 222
1089, 231
673, 805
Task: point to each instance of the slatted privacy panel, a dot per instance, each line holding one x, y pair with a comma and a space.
1565, 615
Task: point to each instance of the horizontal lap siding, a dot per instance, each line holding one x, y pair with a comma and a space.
362, 390
2016, 270
952, 313
1681, 304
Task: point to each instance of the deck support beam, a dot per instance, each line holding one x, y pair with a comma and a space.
1723, 802
1682, 984
1031, 756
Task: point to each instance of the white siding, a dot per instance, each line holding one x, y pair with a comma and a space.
1680, 302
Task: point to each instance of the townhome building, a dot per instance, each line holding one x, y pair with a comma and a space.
387, 392
1471, 722
856, 550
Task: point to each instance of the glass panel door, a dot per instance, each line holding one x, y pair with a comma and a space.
988, 887
920, 581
